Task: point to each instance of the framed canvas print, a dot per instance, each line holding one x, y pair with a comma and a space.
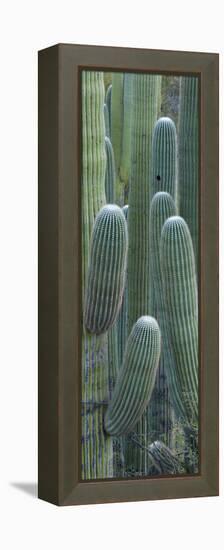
128, 274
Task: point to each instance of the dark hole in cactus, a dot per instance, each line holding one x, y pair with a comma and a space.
158, 178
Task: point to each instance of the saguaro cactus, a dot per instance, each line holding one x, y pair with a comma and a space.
162, 208
146, 95
107, 269
97, 448
189, 155
110, 177
146, 91
164, 157
136, 378
181, 309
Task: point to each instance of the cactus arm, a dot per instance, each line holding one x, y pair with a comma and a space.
136, 378
181, 308
107, 269
164, 158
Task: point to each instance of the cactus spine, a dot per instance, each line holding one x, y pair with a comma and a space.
97, 448
136, 378
110, 176
181, 309
189, 156
107, 269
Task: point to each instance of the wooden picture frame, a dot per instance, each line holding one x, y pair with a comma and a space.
59, 378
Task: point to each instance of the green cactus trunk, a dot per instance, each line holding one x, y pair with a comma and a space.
110, 177
107, 269
189, 156
136, 378
164, 179
117, 131
146, 89
125, 165
181, 310
97, 447
146, 98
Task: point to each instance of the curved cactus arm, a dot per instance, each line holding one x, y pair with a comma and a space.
181, 308
136, 378
110, 176
164, 157
107, 269
189, 156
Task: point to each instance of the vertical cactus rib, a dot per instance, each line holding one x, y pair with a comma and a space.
97, 448
164, 154
110, 176
107, 269
181, 308
189, 156
136, 378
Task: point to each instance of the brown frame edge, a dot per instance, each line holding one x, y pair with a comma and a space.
59, 274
